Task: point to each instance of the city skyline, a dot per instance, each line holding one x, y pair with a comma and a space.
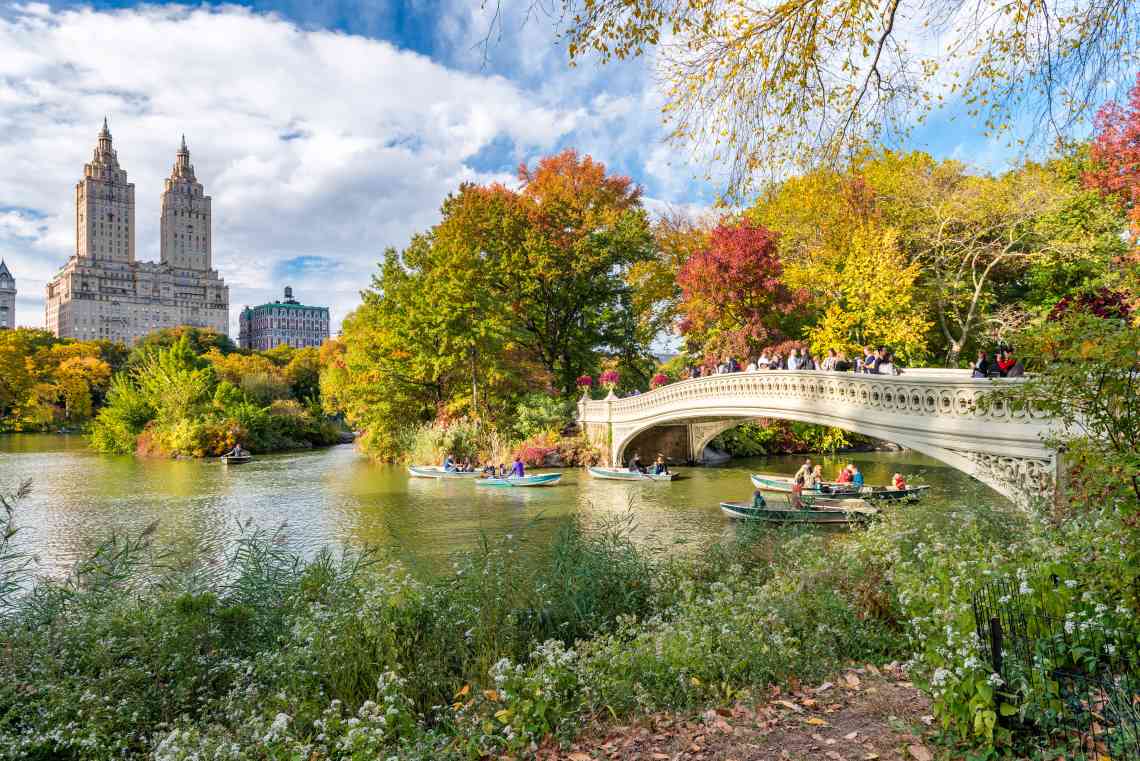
317, 164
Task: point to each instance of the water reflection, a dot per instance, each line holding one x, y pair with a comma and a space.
335, 497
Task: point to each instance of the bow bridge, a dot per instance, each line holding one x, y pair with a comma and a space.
935, 412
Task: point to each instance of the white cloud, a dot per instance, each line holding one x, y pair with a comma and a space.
312, 143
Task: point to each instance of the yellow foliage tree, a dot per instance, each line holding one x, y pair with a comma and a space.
870, 289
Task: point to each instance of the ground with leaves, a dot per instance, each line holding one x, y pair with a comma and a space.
864, 714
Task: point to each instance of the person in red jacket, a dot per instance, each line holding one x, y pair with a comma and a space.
1005, 361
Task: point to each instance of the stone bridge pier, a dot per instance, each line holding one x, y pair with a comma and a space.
935, 412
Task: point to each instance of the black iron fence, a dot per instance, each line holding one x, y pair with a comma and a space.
1074, 687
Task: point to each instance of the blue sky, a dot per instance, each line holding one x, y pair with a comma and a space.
324, 131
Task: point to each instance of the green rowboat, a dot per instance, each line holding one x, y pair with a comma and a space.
783, 485
539, 479
745, 511
621, 474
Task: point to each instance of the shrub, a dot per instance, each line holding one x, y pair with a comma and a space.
538, 414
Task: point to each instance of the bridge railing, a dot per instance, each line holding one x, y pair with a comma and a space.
928, 393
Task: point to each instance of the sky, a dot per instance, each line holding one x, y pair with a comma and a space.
325, 130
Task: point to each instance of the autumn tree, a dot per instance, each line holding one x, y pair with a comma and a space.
1115, 155
770, 86
734, 300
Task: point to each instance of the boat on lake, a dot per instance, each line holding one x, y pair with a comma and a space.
538, 479
236, 459
783, 485
773, 514
623, 474
435, 471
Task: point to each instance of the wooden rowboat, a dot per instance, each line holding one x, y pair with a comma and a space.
621, 474
783, 485
434, 471
235, 459
813, 501
538, 479
745, 511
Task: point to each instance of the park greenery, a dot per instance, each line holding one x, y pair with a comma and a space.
178, 392
516, 294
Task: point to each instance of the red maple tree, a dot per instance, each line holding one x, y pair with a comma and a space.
734, 300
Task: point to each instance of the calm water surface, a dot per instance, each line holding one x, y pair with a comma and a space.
334, 497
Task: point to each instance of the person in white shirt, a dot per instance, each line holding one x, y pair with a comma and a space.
763, 362
793, 360
751, 367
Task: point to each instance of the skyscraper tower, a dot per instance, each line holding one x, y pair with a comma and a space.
105, 207
186, 238
7, 298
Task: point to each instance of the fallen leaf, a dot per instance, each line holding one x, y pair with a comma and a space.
815, 721
661, 756
790, 705
491, 695
920, 753
870, 757
463, 691
580, 756
873, 669
833, 755
928, 720
851, 735
808, 702
852, 681
824, 687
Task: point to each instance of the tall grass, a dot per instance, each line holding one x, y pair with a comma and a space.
266, 656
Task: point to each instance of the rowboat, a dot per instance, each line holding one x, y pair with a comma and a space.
538, 479
783, 484
434, 471
621, 474
745, 511
235, 459
813, 501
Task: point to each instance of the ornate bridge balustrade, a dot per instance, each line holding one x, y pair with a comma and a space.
935, 412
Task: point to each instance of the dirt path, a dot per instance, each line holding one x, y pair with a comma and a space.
864, 715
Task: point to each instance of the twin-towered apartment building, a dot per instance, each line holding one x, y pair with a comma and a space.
102, 292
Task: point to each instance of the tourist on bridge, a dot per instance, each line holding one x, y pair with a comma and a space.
830, 360
752, 366
763, 362
982, 366
886, 365
793, 360
660, 467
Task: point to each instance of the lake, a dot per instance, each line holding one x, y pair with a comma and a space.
334, 497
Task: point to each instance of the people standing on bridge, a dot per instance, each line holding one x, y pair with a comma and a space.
886, 365
843, 364
830, 360
752, 366
763, 362
981, 367
793, 360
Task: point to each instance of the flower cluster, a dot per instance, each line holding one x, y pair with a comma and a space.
609, 378
658, 380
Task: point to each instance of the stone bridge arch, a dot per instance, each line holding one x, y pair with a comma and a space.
934, 412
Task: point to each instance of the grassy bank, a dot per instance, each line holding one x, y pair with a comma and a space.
353, 657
